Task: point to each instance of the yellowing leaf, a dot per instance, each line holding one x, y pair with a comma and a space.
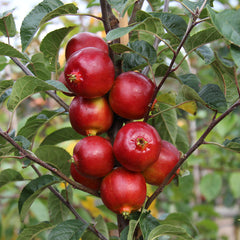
190, 107
168, 98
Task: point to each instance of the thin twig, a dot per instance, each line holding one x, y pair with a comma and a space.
198, 143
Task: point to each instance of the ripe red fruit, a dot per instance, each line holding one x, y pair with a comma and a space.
93, 156
123, 191
137, 145
90, 116
131, 94
83, 40
89, 72
63, 80
168, 158
93, 183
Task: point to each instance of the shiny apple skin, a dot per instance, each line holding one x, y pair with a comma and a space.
93, 183
93, 156
131, 94
89, 72
137, 145
123, 191
90, 116
168, 158
83, 40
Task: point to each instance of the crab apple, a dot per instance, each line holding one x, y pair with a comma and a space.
90, 116
93, 183
63, 80
89, 72
131, 94
93, 156
83, 40
137, 145
123, 191
168, 158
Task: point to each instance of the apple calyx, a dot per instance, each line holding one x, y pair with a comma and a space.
75, 77
91, 132
141, 143
125, 213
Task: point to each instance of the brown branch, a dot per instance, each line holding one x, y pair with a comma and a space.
197, 144
35, 159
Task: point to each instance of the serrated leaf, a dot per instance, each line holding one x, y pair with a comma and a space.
233, 144
51, 44
235, 53
234, 180
231, 27
68, 230
214, 97
56, 156
57, 210
34, 122
8, 50
9, 175
7, 24
61, 135
32, 21
166, 123
211, 185
169, 230
25, 87
191, 80
38, 67
58, 85
31, 191
150, 25
30, 232
201, 38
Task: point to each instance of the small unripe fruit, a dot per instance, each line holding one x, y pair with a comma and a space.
123, 191
93, 156
137, 145
90, 116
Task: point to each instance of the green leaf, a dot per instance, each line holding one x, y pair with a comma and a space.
31, 191
30, 232
65, 9
51, 44
9, 175
25, 87
235, 52
57, 210
233, 144
32, 21
191, 80
150, 25
182, 140
8, 50
231, 27
56, 156
201, 38
142, 53
211, 185
38, 67
7, 24
121, 5
173, 23
33, 123
214, 97
120, 48
4, 85
234, 180
68, 230
169, 230
166, 123
206, 54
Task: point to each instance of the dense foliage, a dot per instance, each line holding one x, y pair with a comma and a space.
191, 50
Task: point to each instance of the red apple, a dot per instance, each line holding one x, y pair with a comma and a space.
83, 40
123, 191
93, 183
131, 94
168, 158
89, 72
90, 116
137, 145
93, 156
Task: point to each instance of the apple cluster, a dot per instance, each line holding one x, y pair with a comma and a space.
137, 156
